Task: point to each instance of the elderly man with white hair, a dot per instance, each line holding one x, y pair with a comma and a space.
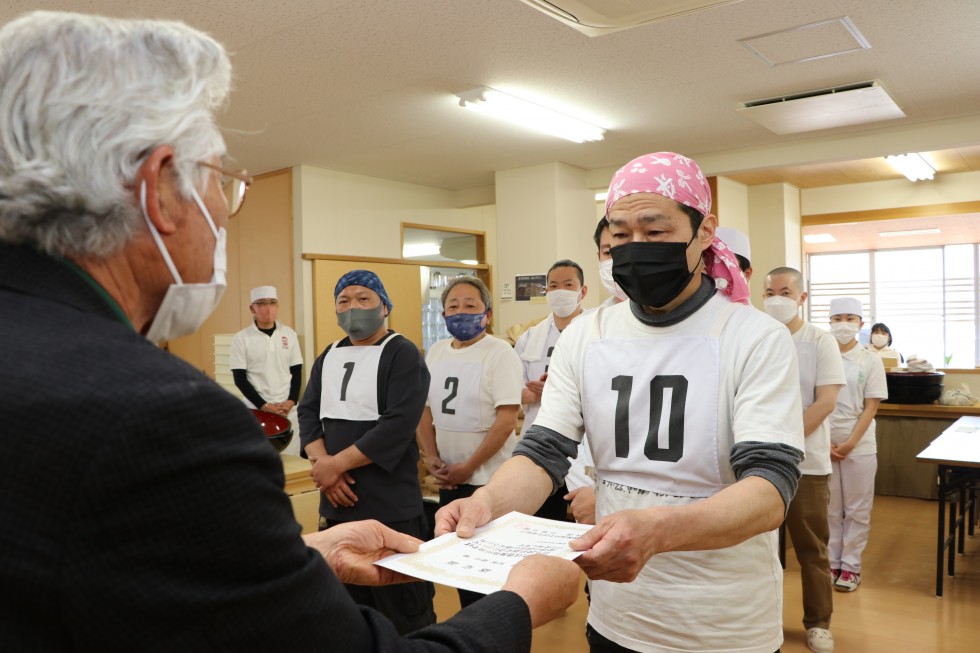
141, 508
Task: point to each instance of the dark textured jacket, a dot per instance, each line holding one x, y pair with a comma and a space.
142, 510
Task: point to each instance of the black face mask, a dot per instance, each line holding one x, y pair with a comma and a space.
652, 274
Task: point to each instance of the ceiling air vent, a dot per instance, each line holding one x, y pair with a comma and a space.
840, 106
598, 17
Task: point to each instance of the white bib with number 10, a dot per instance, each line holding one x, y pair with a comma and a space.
651, 411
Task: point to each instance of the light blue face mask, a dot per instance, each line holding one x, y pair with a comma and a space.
465, 326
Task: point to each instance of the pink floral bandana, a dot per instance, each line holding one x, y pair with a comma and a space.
679, 178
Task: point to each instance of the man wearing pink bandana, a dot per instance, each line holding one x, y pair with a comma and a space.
689, 399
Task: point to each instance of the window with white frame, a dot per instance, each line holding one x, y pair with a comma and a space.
928, 297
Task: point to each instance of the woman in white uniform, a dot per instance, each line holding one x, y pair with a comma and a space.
853, 450
467, 427
881, 342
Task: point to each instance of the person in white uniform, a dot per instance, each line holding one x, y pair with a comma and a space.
853, 449
266, 361
740, 246
691, 402
881, 343
821, 378
565, 291
580, 479
364, 398
467, 427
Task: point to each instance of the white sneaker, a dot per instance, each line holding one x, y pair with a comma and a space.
819, 640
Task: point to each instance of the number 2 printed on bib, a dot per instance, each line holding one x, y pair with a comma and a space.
454, 396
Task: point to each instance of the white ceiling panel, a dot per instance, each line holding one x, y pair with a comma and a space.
366, 86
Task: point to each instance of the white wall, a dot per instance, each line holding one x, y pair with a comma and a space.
544, 213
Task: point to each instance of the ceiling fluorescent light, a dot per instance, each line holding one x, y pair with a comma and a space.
601, 197
914, 166
528, 114
910, 232
819, 238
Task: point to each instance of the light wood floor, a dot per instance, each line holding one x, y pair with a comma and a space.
895, 608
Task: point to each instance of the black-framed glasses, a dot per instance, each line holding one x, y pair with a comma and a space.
234, 184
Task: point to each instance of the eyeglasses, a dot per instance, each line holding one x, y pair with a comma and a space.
234, 183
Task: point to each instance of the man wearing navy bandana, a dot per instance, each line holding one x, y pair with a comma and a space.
357, 425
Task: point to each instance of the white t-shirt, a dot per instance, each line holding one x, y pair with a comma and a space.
865, 375
696, 600
820, 364
541, 338
266, 360
467, 386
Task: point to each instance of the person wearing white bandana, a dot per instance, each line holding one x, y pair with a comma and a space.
821, 378
740, 246
853, 449
565, 291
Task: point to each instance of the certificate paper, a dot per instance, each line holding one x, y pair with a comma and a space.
481, 563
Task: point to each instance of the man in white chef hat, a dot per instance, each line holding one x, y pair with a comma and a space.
266, 361
739, 244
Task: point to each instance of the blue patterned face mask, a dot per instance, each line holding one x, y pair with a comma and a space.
465, 326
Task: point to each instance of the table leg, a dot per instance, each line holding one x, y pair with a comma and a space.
941, 533
961, 520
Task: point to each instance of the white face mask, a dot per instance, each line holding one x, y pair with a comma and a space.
186, 306
879, 340
605, 275
779, 308
844, 331
564, 302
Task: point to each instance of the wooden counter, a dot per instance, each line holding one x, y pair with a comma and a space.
302, 491
903, 430
934, 411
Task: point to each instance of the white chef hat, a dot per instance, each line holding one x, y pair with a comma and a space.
264, 292
736, 241
846, 306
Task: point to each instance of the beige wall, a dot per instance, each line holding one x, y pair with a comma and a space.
544, 213
732, 205
944, 189
774, 231
540, 214
353, 215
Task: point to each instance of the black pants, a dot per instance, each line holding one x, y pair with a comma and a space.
407, 605
555, 507
463, 491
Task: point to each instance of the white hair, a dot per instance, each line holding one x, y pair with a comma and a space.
84, 100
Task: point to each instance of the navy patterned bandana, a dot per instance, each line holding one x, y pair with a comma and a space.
364, 278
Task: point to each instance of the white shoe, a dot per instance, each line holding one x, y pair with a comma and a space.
819, 640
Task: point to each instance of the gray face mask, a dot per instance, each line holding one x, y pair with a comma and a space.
359, 323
